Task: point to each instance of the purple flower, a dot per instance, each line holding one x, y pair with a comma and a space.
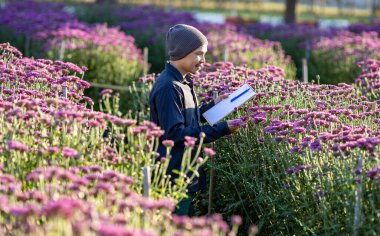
372, 173
17, 145
279, 138
297, 169
4, 204
107, 229
290, 171
316, 145
258, 119
53, 149
64, 207
292, 140
296, 149
70, 152
24, 210
108, 188
236, 122
298, 129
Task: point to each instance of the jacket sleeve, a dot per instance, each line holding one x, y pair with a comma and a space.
169, 107
204, 108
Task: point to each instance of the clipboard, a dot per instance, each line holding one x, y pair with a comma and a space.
228, 105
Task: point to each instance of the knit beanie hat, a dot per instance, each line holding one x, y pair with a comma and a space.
182, 39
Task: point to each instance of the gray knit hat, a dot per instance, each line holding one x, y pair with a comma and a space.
182, 39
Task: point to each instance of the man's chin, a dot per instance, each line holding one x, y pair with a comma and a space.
194, 71
197, 70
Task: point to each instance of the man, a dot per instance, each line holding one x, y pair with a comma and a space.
174, 106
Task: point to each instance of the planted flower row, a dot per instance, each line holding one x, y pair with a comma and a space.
48, 30
299, 41
368, 80
336, 59
304, 149
60, 173
301, 153
49, 126
296, 39
333, 54
242, 49
225, 42
88, 200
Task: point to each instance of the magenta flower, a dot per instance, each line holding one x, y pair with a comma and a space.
4, 204
373, 172
105, 92
297, 169
253, 229
258, 119
236, 220
190, 141
53, 149
209, 151
64, 207
279, 138
107, 229
296, 149
292, 140
284, 132
17, 145
200, 160
316, 145
70, 152
24, 210
299, 129
168, 143
108, 188
236, 122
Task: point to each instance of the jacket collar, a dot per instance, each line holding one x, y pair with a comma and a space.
177, 75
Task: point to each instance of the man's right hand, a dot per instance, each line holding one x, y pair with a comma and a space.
233, 125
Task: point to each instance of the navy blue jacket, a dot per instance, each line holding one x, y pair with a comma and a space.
174, 107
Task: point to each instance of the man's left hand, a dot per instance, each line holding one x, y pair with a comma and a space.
221, 98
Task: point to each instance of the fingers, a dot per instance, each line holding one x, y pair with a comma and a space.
221, 98
233, 125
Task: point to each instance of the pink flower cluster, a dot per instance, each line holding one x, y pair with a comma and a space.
336, 59
93, 200
82, 36
329, 119
30, 17
20, 76
369, 79
243, 49
346, 44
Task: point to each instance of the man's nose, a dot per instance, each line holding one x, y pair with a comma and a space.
203, 59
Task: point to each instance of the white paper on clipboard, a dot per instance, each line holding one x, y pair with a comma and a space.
225, 107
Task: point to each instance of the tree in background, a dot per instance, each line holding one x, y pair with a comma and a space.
290, 12
374, 7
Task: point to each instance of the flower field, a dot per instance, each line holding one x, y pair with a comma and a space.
47, 30
304, 161
60, 174
306, 158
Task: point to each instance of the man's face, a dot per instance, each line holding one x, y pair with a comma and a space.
194, 61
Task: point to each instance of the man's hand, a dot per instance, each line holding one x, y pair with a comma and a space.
220, 98
233, 125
